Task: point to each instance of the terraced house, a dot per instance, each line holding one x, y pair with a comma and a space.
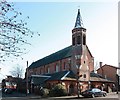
72, 66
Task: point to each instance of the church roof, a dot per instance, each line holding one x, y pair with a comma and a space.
78, 23
61, 75
40, 79
64, 53
65, 75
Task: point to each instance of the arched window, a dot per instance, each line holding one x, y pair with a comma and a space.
64, 67
48, 70
84, 40
73, 41
84, 76
78, 40
56, 68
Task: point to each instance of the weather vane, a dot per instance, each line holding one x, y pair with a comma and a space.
79, 7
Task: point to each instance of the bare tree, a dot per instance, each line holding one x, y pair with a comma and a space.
17, 71
13, 31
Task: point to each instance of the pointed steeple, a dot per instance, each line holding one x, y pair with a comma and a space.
78, 23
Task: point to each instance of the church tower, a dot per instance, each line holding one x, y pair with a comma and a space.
79, 50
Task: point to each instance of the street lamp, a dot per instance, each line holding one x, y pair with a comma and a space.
117, 83
118, 78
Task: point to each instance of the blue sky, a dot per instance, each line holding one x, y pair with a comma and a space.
55, 21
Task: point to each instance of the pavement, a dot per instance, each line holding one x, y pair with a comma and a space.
112, 95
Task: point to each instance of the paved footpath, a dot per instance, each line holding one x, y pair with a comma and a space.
119, 96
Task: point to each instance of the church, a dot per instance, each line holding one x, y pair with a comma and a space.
73, 66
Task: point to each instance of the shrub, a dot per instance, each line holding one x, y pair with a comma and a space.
45, 92
58, 90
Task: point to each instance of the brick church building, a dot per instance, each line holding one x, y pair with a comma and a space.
72, 66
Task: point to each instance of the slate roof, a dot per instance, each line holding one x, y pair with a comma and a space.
94, 77
65, 75
40, 79
106, 65
64, 53
92, 74
78, 23
61, 75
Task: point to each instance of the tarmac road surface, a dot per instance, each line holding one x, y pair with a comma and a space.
110, 96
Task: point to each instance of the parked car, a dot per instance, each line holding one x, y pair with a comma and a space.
94, 92
7, 90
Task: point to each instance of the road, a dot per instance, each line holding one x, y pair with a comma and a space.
110, 96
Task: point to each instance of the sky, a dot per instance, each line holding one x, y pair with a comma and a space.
55, 21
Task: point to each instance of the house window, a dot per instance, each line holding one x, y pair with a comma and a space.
73, 41
84, 40
78, 40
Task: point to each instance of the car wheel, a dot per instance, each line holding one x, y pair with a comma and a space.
93, 95
104, 95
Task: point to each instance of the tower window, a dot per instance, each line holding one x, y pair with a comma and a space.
78, 40
84, 40
73, 41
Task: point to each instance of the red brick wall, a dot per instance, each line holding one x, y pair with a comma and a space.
63, 64
90, 61
108, 71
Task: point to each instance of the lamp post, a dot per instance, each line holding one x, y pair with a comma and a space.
27, 90
118, 78
117, 83
78, 86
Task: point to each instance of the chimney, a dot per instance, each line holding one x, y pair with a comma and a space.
102, 71
100, 64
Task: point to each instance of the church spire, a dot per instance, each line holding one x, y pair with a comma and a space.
78, 23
